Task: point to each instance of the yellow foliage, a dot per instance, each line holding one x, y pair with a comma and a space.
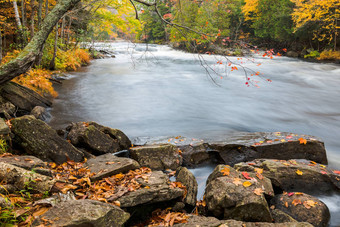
249, 8
329, 55
10, 56
72, 59
323, 12
37, 80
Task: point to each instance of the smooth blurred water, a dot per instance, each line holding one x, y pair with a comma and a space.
164, 92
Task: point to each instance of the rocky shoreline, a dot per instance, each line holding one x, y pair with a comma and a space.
91, 175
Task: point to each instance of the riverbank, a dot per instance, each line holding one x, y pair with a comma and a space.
141, 188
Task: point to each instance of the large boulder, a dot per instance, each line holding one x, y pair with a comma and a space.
157, 157
195, 154
108, 164
188, 179
40, 113
40, 140
227, 199
303, 208
293, 175
79, 213
238, 195
156, 188
97, 138
22, 97
234, 223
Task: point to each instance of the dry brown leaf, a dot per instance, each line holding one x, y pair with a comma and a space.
237, 181
258, 191
246, 184
295, 202
225, 171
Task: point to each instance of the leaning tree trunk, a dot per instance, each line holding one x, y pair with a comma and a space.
27, 57
32, 18
23, 13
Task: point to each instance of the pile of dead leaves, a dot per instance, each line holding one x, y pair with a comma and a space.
165, 218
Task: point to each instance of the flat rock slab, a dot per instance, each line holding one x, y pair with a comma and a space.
233, 223
39, 139
295, 175
200, 221
156, 189
303, 208
27, 162
157, 157
78, 213
242, 147
108, 164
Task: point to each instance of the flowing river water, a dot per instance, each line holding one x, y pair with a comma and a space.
153, 90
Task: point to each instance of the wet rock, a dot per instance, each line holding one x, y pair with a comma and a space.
248, 146
87, 136
184, 176
234, 223
83, 213
40, 113
23, 98
157, 157
227, 199
116, 134
195, 154
27, 162
21, 178
155, 189
108, 164
281, 217
295, 175
200, 221
303, 208
40, 140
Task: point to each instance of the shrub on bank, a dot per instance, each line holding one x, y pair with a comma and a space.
329, 55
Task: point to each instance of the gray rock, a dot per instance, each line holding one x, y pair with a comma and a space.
157, 157
225, 199
184, 176
283, 174
7, 109
292, 54
303, 208
200, 221
22, 97
5, 202
4, 129
234, 223
27, 162
281, 217
217, 173
40, 140
195, 154
79, 213
40, 113
244, 147
87, 136
108, 164
156, 189
116, 134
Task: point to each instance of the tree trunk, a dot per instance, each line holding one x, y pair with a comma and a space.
40, 12
0, 47
32, 18
62, 32
46, 8
52, 63
23, 13
69, 30
27, 57
16, 14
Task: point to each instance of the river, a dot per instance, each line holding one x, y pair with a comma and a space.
153, 90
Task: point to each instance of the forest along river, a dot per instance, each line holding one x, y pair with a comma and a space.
153, 90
